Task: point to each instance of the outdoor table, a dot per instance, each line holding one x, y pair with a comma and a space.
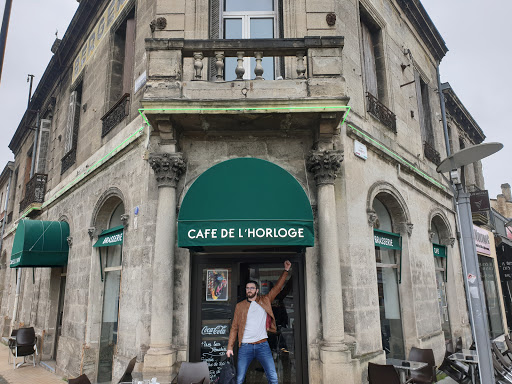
161, 377
405, 365
467, 356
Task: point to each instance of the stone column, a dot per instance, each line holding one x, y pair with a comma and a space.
168, 168
334, 354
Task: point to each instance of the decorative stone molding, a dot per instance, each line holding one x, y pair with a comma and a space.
452, 241
330, 19
372, 217
324, 165
408, 228
91, 231
431, 235
70, 240
168, 168
124, 219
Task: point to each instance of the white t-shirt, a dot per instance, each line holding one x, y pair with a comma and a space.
255, 326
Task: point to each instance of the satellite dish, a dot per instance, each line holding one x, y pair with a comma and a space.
467, 156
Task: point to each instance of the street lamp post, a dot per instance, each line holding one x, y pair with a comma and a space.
472, 279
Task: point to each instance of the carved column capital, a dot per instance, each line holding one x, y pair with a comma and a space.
324, 165
431, 235
168, 168
372, 217
406, 228
69, 240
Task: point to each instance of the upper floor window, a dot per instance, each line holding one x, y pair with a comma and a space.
425, 113
373, 57
72, 125
244, 19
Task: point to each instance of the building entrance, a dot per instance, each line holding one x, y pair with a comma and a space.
218, 284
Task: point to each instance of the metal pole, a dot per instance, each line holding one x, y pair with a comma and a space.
474, 288
16, 299
3, 32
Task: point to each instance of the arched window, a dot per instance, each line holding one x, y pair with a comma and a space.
111, 260
439, 252
387, 262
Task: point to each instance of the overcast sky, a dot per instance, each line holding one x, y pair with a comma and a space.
477, 65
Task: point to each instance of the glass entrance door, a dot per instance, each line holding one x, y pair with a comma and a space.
220, 286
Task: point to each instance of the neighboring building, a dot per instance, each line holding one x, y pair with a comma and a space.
503, 202
162, 223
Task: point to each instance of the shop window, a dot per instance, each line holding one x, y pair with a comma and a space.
244, 19
387, 261
72, 126
492, 301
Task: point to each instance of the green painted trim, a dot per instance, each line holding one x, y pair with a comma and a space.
387, 240
400, 159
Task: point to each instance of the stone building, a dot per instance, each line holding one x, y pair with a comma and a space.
184, 147
503, 202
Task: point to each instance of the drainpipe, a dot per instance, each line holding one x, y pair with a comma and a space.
6, 205
443, 113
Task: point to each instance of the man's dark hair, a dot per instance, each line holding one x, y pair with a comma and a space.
253, 282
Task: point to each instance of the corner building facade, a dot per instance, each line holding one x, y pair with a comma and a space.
194, 145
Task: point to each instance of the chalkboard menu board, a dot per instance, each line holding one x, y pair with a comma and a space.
214, 344
504, 253
214, 352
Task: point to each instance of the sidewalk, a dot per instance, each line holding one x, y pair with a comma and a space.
26, 374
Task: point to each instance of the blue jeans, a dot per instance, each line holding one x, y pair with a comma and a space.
247, 353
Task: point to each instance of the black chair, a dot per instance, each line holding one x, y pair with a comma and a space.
25, 345
425, 375
82, 379
194, 373
502, 374
12, 343
499, 356
127, 376
382, 374
455, 371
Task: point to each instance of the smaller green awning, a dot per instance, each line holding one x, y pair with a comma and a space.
385, 239
439, 250
109, 237
40, 243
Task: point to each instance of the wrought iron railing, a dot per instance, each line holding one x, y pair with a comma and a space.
381, 112
68, 160
34, 191
116, 114
431, 153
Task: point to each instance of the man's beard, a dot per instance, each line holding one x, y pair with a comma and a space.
251, 295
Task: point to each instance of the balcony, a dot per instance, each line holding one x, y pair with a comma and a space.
34, 191
186, 78
431, 153
381, 112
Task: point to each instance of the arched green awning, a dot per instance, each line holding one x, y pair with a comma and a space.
40, 243
245, 201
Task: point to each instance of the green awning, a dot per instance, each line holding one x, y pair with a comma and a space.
385, 239
439, 250
109, 237
245, 201
40, 244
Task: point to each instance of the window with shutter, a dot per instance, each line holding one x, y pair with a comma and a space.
42, 145
72, 127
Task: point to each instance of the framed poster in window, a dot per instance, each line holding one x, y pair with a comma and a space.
217, 285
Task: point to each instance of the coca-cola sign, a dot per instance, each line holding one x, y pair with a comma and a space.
215, 330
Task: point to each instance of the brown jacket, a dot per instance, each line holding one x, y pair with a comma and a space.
242, 308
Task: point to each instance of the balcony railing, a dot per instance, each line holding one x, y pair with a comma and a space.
431, 153
381, 112
34, 191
